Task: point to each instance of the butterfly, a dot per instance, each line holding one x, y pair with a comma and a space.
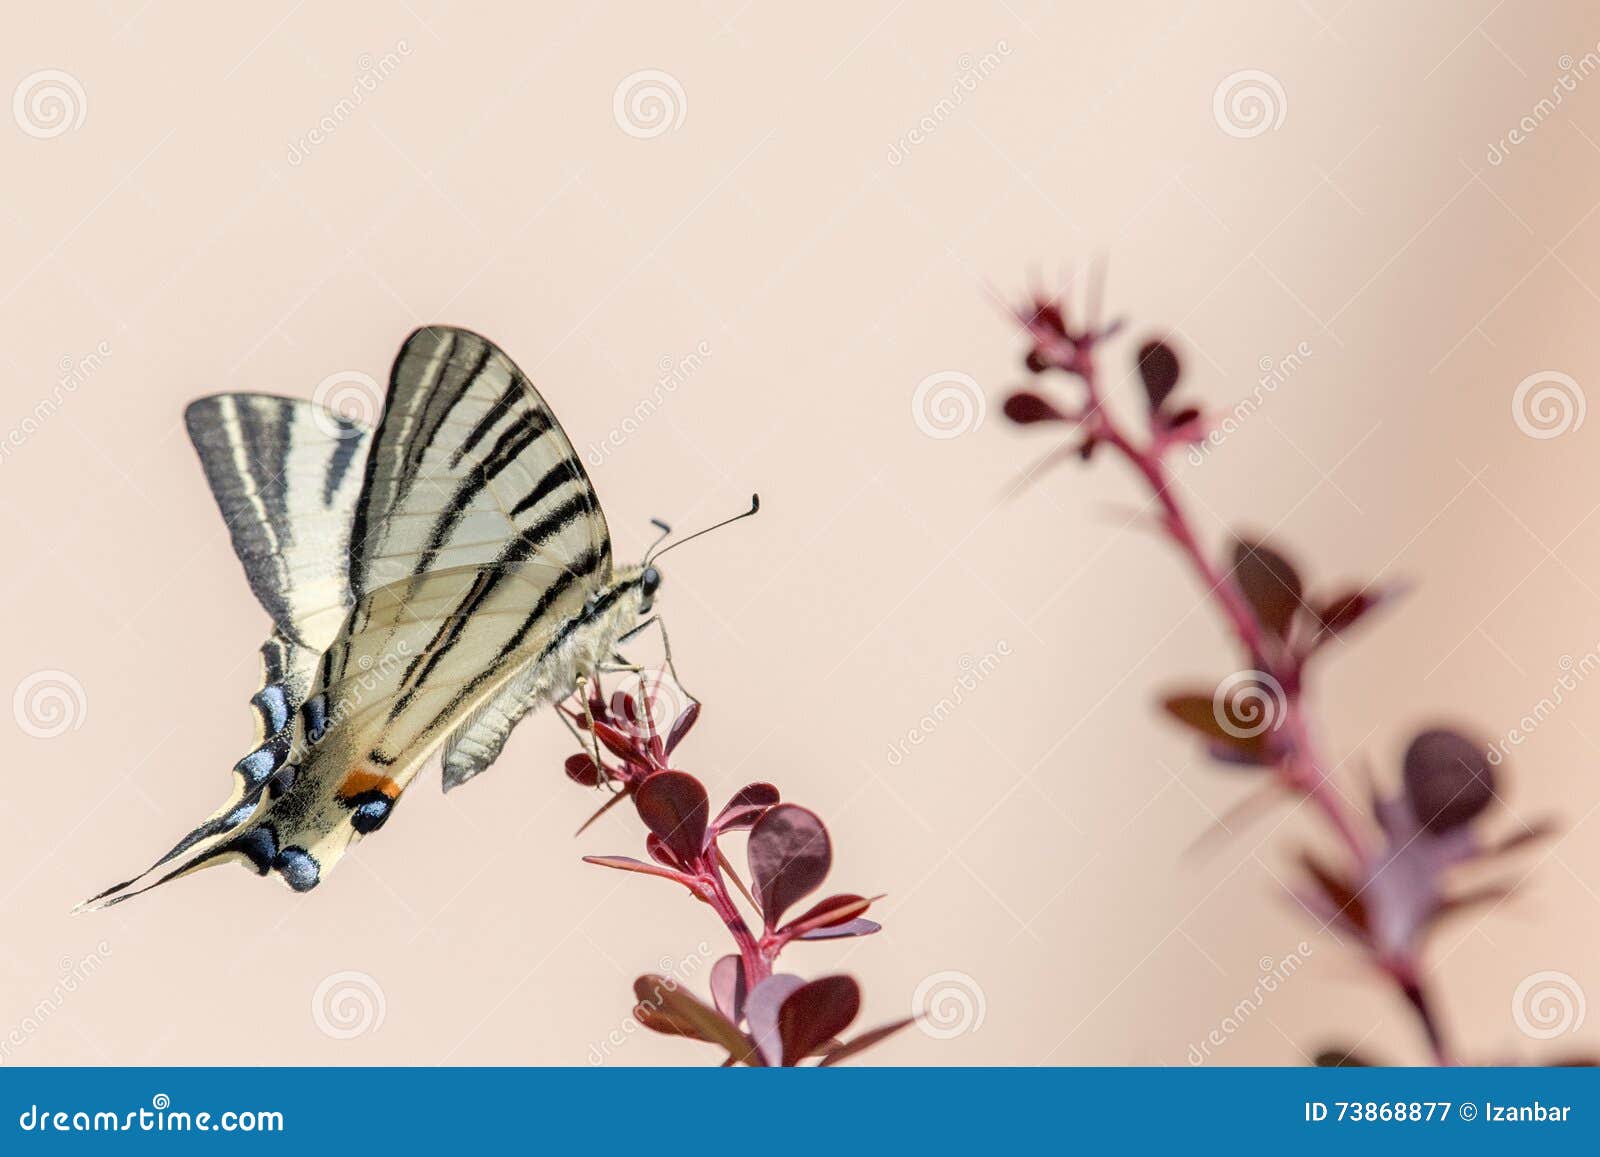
430, 582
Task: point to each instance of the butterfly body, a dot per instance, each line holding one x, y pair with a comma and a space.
430, 582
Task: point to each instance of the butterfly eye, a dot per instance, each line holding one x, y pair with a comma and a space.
649, 581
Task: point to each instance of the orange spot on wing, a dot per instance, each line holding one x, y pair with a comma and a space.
364, 779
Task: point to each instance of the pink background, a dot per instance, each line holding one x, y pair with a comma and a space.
789, 225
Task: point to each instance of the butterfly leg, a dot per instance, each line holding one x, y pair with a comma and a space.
660, 625
581, 688
666, 649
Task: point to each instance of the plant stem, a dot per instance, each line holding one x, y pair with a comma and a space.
1300, 767
756, 965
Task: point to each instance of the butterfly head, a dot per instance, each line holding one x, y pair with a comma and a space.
649, 583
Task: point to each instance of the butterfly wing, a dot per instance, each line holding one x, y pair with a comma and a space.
477, 536
285, 473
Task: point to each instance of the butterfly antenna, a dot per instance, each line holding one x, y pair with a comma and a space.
663, 528
755, 505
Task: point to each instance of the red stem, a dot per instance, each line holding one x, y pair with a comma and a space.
757, 967
1300, 767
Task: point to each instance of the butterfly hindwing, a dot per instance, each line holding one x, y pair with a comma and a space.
285, 475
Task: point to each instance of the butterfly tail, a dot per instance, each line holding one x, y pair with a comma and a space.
216, 840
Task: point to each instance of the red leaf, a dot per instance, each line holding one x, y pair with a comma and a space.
1159, 369
728, 988
617, 742
1198, 712
680, 726
1340, 613
673, 805
746, 807
665, 1007
581, 769
865, 1041
1270, 585
1340, 1057
661, 852
761, 1013
789, 858
815, 1013
1448, 779
1026, 407
629, 864
842, 931
826, 913
1344, 899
